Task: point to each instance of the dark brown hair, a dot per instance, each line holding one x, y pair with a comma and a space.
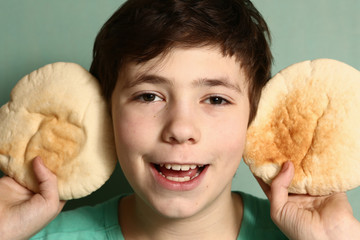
143, 29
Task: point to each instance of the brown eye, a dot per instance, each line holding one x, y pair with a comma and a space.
148, 97
215, 100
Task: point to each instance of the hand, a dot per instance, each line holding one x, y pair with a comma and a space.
309, 217
22, 212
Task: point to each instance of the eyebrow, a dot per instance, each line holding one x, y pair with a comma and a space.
224, 82
155, 79
145, 78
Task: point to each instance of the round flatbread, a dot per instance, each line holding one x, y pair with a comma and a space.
57, 112
309, 113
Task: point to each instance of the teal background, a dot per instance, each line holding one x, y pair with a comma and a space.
35, 33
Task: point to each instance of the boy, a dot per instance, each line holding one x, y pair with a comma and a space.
183, 79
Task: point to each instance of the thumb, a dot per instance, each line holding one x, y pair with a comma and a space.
279, 187
48, 188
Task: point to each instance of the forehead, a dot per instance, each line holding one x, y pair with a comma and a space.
188, 64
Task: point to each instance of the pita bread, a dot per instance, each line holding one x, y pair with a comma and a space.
57, 112
309, 113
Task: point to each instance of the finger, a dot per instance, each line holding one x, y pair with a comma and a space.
61, 206
265, 187
47, 180
279, 187
38, 210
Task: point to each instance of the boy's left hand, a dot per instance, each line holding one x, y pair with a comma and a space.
309, 217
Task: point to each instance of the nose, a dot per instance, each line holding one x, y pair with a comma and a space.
181, 126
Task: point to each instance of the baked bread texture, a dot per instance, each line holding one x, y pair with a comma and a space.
57, 112
309, 113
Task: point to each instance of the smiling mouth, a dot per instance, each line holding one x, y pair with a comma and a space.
179, 173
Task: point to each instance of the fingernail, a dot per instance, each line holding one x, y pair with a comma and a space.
285, 166
40, 160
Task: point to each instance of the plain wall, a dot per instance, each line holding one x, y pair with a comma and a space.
35, 33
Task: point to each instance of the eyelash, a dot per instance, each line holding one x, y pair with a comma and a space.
141, 97
216, 98
209, 100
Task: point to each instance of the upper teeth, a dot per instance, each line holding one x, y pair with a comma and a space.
178, 167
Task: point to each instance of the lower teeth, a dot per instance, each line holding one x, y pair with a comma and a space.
179, 179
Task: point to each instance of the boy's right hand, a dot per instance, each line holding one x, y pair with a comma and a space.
24, 213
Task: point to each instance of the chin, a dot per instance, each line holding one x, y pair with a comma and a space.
175, 207
177, 210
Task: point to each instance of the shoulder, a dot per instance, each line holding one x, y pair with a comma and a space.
89, 222
256, 222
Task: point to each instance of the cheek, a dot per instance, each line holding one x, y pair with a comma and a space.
231, 132
131, 142
234, 142
228, 144
131, 132
126, 132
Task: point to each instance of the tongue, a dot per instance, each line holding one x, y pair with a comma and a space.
172, 173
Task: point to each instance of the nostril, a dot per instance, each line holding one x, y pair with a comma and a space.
174, 140
179, 131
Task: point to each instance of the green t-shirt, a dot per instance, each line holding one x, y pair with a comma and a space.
101, 222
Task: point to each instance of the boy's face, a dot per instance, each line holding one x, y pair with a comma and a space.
187, 111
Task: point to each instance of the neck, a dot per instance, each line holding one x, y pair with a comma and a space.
220, 220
